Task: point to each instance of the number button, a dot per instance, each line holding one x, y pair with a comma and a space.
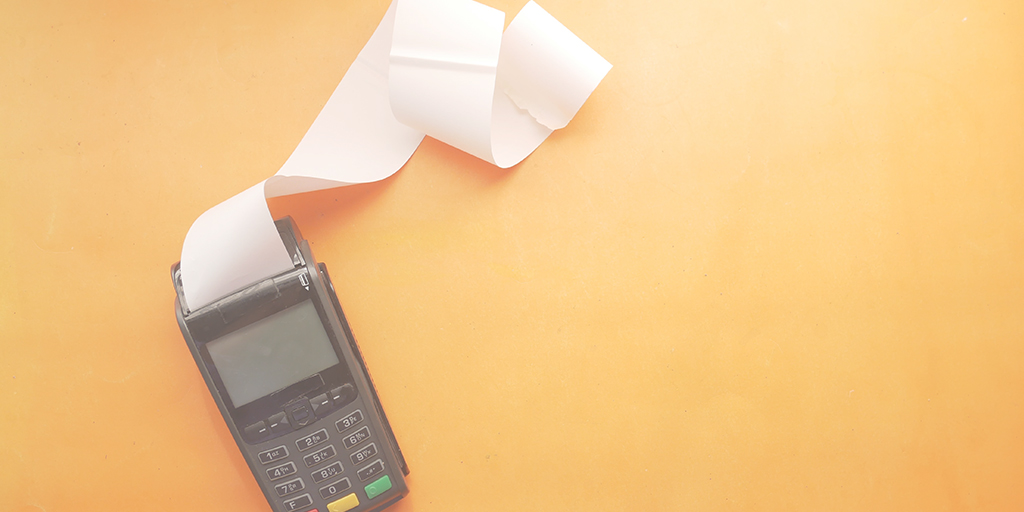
290, 487
357, 437
281, 471
327, 472
312, 440
273, 454
364, 453
330, 490
319, 456
349, 421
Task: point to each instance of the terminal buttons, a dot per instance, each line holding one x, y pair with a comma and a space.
372, 470
378, 487
300, 413
279, 423
321, 404
255, 432
323, 474
319, 450
311, 440
349, 421
364, 453
343, 394
337, 487
319, 456
289, 487
281, 471
356, 437
345, 504
297, 503
273, 454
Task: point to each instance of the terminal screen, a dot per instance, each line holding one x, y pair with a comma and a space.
272, 353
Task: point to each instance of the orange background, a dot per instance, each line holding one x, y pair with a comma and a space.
775, 262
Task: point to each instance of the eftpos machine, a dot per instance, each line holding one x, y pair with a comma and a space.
287, 375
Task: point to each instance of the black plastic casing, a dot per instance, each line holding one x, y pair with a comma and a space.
347, 385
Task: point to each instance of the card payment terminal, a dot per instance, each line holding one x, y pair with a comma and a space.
287, 375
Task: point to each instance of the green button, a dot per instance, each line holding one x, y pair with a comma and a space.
378, 487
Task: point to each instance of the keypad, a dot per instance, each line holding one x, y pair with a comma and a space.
318, 450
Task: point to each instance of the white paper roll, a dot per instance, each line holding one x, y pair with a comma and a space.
437, 67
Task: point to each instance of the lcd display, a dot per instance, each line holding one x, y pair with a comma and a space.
272, 353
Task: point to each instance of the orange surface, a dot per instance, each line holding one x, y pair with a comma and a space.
775, 263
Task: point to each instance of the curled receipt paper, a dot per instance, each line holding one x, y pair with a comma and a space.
437, 67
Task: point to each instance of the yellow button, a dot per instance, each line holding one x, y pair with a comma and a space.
347, 503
